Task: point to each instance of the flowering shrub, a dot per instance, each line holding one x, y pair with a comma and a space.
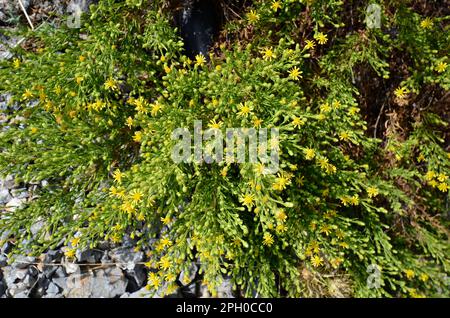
358, 205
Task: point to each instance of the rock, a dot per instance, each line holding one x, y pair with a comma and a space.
18, 290
9, 181
12, 275
141, 293
2, 288
52, 291
71, 267
7, 246
187, 276
41, 286
3, 260
138, 274
127, 257
21, 193
36, 227
89, 256
5, 196
108, 283
20, 261
225, 290
30, 280
14, 204
33, 271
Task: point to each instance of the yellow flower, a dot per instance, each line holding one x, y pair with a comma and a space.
214, 124
281, 228
257, 122
372, 192
354, 200
164, 263
427, 23
297, 122
433, 183
420, 158
401, 92
165, 242
409, 273
336, 262
316, 261
137, 136
244, 109
295, 74
281, 182
430, 175
129, 122
127, 207
33, 130
153, 281
423, 277
170, 277
325, 229
70, 253
344, 136
443, 187
281, 215
74, 242
310, 44
16, 63
156, 108
252, 16
165, 220
117, 175
442, 177
268, 54
321, 38
268, 239
200, 60
81, 58
136, 195
441, 67
276, 5
27, 94
309, 153
110, 84
248, 200
336, 104
79, 79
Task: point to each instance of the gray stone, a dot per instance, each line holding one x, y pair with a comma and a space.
141, 293
30, 280
127, 257
5, 196
21, 193
187, 276
17, 290
14, 204
108, 283
20, 261
89, 256
12, 275
9, 181
71, 267
36, 227
225, 290
2, 288
52, 289
3, 260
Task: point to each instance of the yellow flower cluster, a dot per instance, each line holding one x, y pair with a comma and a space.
439, 181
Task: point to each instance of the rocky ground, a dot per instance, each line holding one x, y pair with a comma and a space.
108, 271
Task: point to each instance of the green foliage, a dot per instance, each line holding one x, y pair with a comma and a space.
104, 102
